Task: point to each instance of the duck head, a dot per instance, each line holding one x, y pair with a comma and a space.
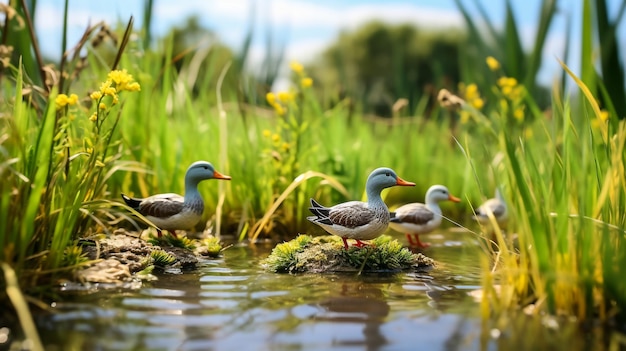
438, 193
203, 170
383, 177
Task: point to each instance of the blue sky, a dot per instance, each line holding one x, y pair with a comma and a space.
307, 26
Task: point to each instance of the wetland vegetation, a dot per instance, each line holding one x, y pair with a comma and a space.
117, 113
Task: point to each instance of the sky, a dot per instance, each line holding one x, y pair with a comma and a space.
306, 26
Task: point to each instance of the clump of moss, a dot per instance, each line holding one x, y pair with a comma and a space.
284, 257
327, 254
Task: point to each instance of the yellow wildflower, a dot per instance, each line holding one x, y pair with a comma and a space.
134, 86
604, 115
96, 95
478, 103
63, 100
276, 138
271, 98
93, 117
102, 106
507, 82
471, 92
267, 133
279, 109
493, 64
297, 67
285, 146
285, 96
73, 99
121, 78
472, 95
110, 91
306, 82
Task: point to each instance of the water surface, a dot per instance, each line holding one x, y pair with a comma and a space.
231, 303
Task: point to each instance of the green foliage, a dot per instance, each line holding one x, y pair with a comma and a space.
506, 47
161, 258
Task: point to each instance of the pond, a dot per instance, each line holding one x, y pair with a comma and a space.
232, 304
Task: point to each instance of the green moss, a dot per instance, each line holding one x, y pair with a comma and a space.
327, 254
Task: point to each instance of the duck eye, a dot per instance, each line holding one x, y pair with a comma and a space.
387, 174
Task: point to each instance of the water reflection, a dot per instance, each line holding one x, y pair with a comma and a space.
356, 304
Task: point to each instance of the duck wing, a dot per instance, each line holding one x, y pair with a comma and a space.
162, 205
350, 214
415, 213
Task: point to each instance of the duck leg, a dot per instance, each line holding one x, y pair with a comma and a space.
345, 242
418, 243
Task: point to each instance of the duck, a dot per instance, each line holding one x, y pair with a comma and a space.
171, 211
417, 218
497, 206
359, 220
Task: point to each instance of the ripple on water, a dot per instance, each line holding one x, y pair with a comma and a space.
223, 278
159, 304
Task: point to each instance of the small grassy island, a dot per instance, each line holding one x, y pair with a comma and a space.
325, 254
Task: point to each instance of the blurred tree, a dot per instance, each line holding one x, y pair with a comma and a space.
380, 63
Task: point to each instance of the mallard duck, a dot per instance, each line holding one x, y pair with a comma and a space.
418, 218
356, 219
497, 206
172, 211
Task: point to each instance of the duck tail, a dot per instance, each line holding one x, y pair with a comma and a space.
132, 203
318, 210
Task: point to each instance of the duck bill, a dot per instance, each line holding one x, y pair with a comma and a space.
453, 198
403, 182
218, 175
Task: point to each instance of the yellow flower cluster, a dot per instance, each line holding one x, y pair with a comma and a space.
510, 88
279, 101
276, 140
514, 93
117, 81
298, 68
471, 95
123, 81
63, 100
